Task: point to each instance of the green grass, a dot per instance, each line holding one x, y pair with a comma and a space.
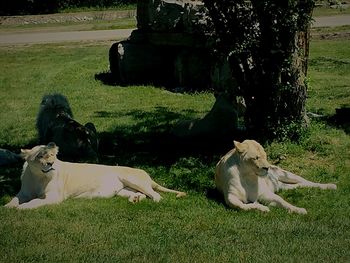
198, 228
91, 9
329, 76
335, 29
326, 11
117, 23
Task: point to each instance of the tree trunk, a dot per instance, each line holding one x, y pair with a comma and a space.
275, 95
278, 98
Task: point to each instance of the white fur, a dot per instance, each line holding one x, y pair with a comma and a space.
47, 180
241, 176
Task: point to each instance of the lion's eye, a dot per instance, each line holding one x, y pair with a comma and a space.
257, 158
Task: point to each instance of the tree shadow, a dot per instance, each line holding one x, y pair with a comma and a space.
216, 196
107, 78
110, 79
327, 61
148, 142
341, 119
151, 141
10, 179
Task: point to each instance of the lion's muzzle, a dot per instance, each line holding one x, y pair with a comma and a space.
47, 168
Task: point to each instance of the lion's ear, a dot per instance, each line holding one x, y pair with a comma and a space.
53, 146
240, 147
25, 153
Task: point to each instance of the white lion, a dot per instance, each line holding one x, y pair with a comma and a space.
47, 180
245, 177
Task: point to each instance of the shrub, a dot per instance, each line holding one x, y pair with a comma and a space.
26, 7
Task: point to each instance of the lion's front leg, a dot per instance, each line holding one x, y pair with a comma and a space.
274, 199
17, 200
37, 202
233, 202
34, 203
13, 203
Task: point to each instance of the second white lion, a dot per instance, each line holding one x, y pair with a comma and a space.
246, 178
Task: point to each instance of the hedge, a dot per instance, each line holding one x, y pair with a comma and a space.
26, 7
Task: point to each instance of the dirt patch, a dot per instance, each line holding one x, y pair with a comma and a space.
331, 35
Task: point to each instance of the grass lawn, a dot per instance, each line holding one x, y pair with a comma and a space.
198, 228
326, 11
117, 23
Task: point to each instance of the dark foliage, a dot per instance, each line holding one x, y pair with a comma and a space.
26, 7
266, 44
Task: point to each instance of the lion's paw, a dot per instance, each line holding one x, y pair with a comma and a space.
331, 186
298, 210
13, 203
263, 208
156, 197
137, 197
181, 194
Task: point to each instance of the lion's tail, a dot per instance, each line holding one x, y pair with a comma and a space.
158, 187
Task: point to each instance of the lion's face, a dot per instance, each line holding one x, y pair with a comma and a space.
41, 157
253, 157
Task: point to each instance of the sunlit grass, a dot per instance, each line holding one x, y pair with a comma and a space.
329, 75
198, 228
327, 11
117, 23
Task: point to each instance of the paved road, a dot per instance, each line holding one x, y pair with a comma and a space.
324, 21
49, 37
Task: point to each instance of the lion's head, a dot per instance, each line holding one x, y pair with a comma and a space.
253, 157
41, 157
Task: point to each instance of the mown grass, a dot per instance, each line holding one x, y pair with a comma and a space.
327, 11
117, 23
91, 9
329, 76
198, 228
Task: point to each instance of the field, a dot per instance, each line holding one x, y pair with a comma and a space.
198, 228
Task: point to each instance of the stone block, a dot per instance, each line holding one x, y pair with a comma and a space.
132, 63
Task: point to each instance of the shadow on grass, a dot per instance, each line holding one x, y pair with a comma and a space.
341, 119
151, 142
10, 180
107, 78
188, 163
327, 62
10, 174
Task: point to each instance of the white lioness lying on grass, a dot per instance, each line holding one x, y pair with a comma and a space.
245, 177
47, 180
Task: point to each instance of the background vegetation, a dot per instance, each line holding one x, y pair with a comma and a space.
265, 44
26, 7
